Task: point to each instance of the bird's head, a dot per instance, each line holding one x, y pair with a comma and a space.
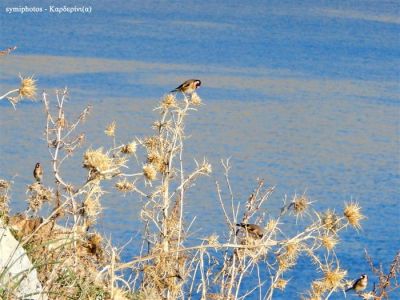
197, 83
37, 165
364, 276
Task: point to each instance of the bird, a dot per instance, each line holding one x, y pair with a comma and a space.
253, 229
188, 87
38, 173
360, 284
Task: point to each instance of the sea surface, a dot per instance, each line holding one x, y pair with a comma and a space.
302, 94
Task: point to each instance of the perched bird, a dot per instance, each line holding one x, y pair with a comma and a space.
188, 87
360, 284
253, 229
38, 172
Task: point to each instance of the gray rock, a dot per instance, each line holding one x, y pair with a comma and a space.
15, 266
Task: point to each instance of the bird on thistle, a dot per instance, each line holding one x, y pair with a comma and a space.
38, 173
360, 284
252, 229
188, 87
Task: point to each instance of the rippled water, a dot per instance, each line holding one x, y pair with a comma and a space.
304, 96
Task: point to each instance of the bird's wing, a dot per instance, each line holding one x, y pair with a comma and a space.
184, 85
353, 285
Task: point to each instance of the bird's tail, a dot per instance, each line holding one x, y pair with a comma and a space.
174, 91
241, 224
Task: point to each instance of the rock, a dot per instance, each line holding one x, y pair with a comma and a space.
15, 266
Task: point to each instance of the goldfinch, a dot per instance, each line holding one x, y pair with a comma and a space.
252, 229
188, 87
38, 172
360, 284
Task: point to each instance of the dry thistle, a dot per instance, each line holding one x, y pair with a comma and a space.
95, 240
195, 99
156, 160
91, 207
353, 214
38, 194
300, 204
4, 184
328, 241
35, 203
27, 88
129, 148
110, 130
318, 287
151, 143
100, 163
158, 125
284, 263
330, 221
333, 278
281, 284
97, 160
271, 226
204, 168
169, 101
287, 259
125, 186
292, 250
149, 172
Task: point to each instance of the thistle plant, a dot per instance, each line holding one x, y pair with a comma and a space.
152, 169
171, 269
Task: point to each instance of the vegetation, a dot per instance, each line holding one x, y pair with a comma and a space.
75, 262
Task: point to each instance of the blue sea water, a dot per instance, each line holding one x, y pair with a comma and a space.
302, 94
